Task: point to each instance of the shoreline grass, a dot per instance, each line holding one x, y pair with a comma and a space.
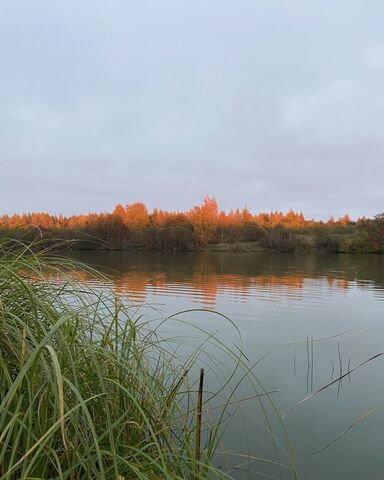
87, 392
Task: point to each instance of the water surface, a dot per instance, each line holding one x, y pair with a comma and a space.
291, 304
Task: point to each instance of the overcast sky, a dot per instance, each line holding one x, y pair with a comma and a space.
269, 104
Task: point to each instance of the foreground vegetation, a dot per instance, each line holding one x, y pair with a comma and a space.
203, 227
87, 392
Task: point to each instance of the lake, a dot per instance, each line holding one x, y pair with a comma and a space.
319, 316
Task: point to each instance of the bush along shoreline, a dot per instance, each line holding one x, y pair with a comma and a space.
89, 392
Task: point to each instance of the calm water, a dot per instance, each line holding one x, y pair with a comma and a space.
282, 302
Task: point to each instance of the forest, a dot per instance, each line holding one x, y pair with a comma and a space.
203, 227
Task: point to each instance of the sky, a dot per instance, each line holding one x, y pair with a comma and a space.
268, 104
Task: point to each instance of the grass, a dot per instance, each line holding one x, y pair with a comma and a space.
88, 392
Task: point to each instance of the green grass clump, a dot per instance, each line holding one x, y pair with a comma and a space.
86, 392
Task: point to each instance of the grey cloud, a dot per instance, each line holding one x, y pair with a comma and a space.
266, 104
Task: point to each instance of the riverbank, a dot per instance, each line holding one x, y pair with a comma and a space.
278, 240
338, 243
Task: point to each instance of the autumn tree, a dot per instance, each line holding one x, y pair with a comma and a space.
344, 220
136, 215
204, 219
119, 211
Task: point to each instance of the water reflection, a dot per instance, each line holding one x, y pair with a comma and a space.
202, 278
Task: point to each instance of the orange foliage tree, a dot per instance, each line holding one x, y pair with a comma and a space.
204, 219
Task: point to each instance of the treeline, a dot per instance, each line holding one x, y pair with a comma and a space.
204, 226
